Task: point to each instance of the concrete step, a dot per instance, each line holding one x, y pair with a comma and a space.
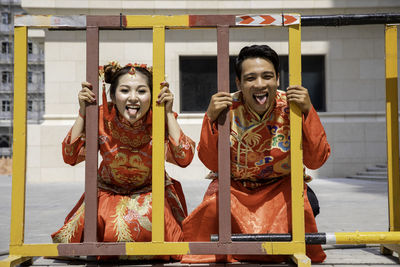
372, 169
381, 165
368, 177
374, 173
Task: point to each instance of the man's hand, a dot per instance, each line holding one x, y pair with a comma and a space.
218, 103
299, 95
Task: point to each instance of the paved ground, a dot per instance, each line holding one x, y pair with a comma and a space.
346, 205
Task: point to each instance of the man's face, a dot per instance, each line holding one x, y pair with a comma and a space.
258, 84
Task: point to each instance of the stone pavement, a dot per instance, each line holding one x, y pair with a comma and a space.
346, 205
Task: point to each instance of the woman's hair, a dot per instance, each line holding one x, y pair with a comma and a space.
112, 74
256, 51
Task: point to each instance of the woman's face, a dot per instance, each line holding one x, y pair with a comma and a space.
132, 96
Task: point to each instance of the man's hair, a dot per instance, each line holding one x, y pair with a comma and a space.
256, 51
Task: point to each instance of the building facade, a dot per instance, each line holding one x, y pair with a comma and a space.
343, 67
35, 104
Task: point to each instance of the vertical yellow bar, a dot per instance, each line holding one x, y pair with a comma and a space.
296, 151
158, 135
19, 137
392, 125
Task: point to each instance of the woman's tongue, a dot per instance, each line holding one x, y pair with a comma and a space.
261, 99
132, 111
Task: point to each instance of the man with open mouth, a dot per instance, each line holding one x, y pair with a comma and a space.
260, 156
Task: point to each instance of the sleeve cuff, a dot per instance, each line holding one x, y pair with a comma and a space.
212, 126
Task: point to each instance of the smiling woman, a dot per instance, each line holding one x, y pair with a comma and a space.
124, 176
133, 96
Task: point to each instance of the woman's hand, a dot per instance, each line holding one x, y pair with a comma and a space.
299, 95
85, 96
165, 96
219, 102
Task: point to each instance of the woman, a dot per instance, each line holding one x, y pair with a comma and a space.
124, 176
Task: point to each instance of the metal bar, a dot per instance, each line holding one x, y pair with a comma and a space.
211, 20
157, 248
35, 250
322, 238
392, 127
158, 154
200, 248
244, 248
106, 22
19, 137
367, 238
92, 131
350, 19
16, 260
311, 238
301, 260
91, 249
224, 166
183, 21
296, 151
148, 21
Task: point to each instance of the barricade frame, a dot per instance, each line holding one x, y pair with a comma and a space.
19, 251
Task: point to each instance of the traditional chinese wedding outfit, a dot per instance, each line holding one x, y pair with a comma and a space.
124, 182
260, 176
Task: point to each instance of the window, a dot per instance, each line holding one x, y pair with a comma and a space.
30, 105
5, 48
198, 80
6, 105
30, 48
312, 76
6, 77
5, 18
5, 141
30, 77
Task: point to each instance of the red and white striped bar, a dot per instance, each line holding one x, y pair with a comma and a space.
267, 20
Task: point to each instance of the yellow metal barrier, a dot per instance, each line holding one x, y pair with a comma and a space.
392, 133
19, 137
20, 252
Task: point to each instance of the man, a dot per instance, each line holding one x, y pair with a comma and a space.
260, 155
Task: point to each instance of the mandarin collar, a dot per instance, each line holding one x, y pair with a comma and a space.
145, 120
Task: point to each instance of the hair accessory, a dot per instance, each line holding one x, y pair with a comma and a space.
117, 67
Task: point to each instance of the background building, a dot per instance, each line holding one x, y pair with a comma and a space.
35, 104
342, 66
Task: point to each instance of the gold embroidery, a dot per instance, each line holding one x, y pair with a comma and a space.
126, 140
121, 229
68, 230
127, 211
131, 169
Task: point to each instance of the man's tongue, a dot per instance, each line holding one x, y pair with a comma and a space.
261, 99
132, 111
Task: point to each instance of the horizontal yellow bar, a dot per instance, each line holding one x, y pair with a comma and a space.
368, 238
143, 21
161, 248
14, 260
35, 250
283, 248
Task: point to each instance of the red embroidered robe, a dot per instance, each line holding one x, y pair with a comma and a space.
124, 182
260, 173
